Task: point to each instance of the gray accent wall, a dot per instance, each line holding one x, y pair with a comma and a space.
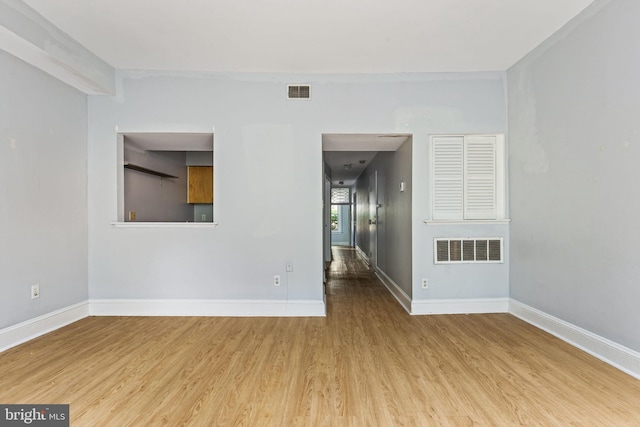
151, 197
574, 136
394, 226
43, 193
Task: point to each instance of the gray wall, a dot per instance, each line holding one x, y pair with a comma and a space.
362, 210
396, 241
43, 192
154, 198
199, 158
269, 174
574, 147
394, 227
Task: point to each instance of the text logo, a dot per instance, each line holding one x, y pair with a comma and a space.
34, 415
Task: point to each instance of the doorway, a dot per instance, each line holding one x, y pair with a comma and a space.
345, 158
340, 216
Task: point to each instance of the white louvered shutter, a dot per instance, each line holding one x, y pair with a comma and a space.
480, 177
448, 173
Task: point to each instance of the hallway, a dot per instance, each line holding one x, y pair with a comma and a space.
352, 283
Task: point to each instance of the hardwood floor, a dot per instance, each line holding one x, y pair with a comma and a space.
368, 363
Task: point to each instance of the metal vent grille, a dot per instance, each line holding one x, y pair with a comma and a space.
298, 91
456, 250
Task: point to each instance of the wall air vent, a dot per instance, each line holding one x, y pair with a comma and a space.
298, 92
477, 250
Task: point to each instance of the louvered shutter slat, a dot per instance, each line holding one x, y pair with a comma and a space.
480, 174
448, 186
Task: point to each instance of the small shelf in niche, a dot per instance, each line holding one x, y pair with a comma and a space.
142, 169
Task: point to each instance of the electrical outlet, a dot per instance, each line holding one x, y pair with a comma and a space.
132, 215
204, 217
425, 283
35, 291
276, 280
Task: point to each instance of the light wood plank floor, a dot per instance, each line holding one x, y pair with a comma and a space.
368, 363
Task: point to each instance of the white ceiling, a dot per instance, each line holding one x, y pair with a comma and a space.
319, 36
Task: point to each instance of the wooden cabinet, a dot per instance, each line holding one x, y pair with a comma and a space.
200, 185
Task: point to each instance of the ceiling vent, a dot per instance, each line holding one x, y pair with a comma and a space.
298, 92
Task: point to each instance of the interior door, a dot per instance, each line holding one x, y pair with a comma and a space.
373, 219
354, 220
326, 215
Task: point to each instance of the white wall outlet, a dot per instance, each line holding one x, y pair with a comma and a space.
289, 266
276, 280
35, 291
425, 283
204, 217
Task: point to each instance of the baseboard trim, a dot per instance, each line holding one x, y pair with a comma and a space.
362, 255
610, 352
398, 293
234, 308
614, 354
460, 306
25, 331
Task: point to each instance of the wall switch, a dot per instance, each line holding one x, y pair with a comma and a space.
204, 217
425, 283
35, 291
132, 215
289, 266
276, 280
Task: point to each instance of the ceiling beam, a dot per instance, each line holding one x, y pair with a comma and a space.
27, 35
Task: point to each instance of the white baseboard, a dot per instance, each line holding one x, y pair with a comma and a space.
396, 291
614, 354
33, 328
621, 357
460, 306
22, 332
362, 255
235, 308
